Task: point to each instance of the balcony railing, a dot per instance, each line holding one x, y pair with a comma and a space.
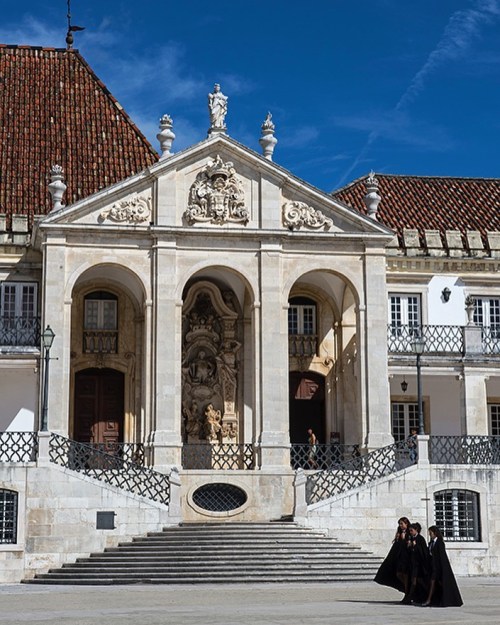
100, 341
302, 345
438, 339
20, 331
464, 450
18, 446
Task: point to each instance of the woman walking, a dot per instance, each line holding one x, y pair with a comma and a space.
443, 588
394, 570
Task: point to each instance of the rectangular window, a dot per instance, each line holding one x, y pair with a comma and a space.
8, 516
302, 319
494, 414
457, 514
487, 313
100, 314
404, 314
18, 299
404, 419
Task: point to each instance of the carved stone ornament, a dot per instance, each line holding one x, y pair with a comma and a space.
135, 209
299, 214
217, 196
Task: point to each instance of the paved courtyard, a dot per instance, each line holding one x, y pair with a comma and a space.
231, 604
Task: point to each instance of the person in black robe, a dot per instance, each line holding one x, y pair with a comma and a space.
443, 588
394, 570
419, 565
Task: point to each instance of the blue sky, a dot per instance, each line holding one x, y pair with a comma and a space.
397, 86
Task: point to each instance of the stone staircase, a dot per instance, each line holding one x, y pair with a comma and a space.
221, 552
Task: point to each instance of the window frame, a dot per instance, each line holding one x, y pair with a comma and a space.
5, 539
19, 302
459, 521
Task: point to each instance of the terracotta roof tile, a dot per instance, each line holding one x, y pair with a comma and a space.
54, 110
431, 203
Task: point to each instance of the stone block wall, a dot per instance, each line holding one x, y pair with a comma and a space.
57, 511
368, 515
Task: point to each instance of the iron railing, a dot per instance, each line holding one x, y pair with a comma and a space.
132, 452
109, 468
219, 456
490, 336
358, 471
302, 344
438, 339
464, 450
319, 456
20, 331
18, 446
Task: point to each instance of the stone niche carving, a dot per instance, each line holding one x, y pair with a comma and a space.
210, 366
216, 196
299, 214
135, 209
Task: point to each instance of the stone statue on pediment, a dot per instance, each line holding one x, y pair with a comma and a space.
217, 107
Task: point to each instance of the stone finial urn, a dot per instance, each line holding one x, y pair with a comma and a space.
268, 141
470, 306
372, 197
165, 136
57, 187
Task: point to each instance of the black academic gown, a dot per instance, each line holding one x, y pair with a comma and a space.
396, 560
420, 567
446, 592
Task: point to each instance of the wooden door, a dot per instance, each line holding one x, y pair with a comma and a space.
99, 407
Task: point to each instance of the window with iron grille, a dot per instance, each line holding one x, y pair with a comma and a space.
8, 516
494, 414
404, 419
457, 514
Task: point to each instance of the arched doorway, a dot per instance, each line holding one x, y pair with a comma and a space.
99, 407
307, 406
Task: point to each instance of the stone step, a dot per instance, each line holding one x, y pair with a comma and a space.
222, 552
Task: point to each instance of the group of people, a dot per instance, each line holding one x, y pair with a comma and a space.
419, 570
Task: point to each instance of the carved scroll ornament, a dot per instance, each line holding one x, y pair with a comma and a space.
299, 214
136, 209
217, 196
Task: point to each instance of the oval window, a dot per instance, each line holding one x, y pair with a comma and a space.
219, 497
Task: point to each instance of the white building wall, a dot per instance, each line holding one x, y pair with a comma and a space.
19, 393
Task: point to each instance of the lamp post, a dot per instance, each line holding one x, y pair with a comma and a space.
47, 340
418, 347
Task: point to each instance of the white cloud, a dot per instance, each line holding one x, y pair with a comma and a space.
33, 32
462, 29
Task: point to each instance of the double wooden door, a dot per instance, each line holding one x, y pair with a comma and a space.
99, 407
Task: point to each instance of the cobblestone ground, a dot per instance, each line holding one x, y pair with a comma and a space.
231, 604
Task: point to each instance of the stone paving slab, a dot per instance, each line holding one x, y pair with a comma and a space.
345, 603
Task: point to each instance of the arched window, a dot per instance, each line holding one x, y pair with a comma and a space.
457, 514
8, 516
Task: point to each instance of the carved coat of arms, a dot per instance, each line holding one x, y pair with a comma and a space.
216, 196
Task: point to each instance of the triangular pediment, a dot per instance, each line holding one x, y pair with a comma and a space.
217, 184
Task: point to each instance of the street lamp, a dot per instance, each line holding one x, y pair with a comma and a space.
418, 347
47, 340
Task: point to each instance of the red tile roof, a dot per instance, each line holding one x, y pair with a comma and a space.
431, 203
54, 110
